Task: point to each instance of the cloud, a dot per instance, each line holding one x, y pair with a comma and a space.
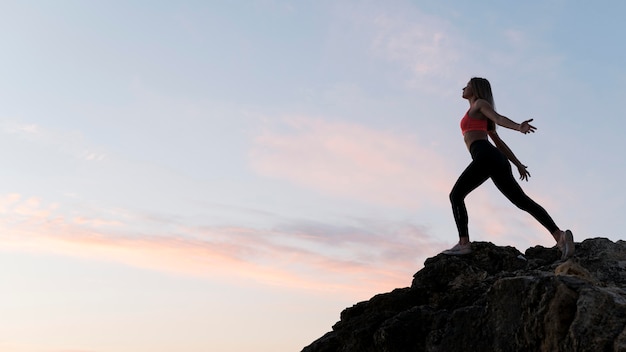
350, 160
438, 54
20, 128
422, 43
69, 143
362, 259
428, 47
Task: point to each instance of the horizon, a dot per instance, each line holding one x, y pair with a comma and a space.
229, 177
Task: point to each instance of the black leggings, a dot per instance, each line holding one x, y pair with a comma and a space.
488, 161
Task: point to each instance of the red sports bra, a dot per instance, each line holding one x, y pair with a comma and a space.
471, 124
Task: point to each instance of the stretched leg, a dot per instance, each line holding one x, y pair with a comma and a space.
506, 183
473, 176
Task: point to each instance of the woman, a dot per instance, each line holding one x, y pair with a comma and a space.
488, 161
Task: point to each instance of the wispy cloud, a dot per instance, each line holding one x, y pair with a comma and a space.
69, 143
423, 43
438, 54
351, 160
20, 128
428, 47
361, 259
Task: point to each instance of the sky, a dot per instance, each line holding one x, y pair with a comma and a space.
229, 176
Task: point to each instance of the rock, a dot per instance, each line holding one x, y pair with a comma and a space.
496, 299
574, 269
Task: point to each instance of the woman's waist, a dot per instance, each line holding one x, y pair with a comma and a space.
470, 137
482, 147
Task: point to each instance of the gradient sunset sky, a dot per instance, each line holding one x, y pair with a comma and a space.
229, 175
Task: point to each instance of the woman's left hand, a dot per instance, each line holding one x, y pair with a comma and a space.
526, 127
523, 173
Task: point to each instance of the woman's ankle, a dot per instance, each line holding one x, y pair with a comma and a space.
559, 236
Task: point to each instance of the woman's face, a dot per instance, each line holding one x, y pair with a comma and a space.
467, 91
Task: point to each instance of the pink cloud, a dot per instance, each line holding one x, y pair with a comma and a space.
347, 261
351, 160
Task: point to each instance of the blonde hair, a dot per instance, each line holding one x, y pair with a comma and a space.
482, 90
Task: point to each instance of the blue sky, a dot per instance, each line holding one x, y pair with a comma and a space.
181, 175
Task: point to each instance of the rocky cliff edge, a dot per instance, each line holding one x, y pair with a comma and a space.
496, 299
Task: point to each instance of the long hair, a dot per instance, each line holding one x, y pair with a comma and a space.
482, 90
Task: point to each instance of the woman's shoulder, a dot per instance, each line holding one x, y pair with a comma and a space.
478, 106
481, 102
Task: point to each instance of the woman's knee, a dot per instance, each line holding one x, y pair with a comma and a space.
456, 197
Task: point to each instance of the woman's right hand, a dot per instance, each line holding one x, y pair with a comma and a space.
526, 127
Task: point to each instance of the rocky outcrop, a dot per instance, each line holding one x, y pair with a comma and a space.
496, 299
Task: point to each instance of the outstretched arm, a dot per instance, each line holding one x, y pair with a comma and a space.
487, 110
521, 168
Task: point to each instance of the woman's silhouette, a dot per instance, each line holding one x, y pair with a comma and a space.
493, 162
